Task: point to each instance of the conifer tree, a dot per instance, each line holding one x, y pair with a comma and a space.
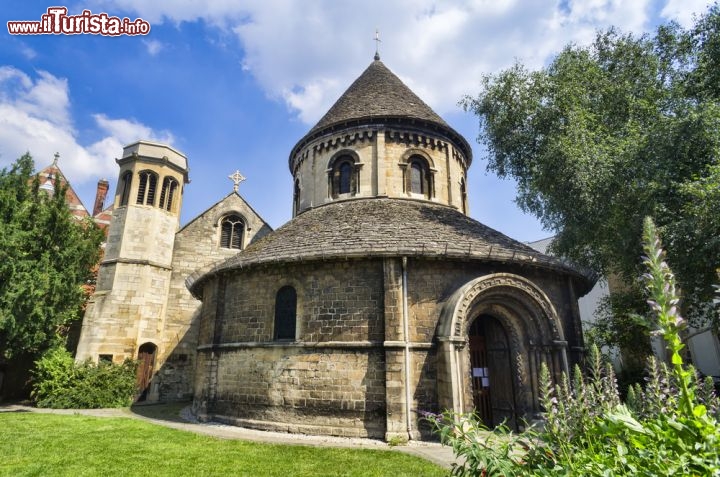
46, 256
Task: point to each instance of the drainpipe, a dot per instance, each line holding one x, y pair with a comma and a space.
406, 333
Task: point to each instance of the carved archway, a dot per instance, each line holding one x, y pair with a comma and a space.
534, 334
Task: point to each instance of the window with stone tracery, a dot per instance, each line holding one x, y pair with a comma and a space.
147, 188
168, 192
125, 183
232, 228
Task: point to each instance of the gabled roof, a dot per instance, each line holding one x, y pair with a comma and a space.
379, 95
48, 175
237, 196
383, 227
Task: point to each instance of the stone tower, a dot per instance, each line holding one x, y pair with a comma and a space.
125, 318
380, 140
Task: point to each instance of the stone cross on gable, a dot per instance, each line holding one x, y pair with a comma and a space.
237, 178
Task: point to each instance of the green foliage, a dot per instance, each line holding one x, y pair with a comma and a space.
669, 427
45, 258
60, 383
35, 444
479, 450
609, 133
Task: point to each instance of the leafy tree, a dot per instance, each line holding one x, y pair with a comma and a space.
45, 258
612, 132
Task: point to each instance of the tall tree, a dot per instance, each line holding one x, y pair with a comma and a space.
45, 258
612, 132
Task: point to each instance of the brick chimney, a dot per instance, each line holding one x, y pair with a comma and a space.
100, 194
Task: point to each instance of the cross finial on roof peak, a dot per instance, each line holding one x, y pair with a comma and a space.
57, 158
377, 44
237, 178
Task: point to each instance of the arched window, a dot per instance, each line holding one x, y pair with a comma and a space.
345, 172
167, 194
285, 313
343, 179
147, 188
296, 197
419, 180
463, 196
232, 228
125, 183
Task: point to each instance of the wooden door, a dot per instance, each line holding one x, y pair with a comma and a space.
146, 363
492, 372
480, 373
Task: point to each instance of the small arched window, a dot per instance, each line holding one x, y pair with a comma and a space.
343, 179
232, 228
296, 196
168, 192
463, 196
285, 314
147, 188
345, 171
419, 180
125, 183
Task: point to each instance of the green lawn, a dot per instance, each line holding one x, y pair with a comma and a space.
75, 445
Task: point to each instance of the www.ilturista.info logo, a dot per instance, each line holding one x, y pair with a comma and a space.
57, 22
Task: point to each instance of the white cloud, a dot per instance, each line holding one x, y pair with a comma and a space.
35, 116
153, 47
27, 52
127, 131
306, 53
683, 10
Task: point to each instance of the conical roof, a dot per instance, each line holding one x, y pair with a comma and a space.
378, 92
379, 95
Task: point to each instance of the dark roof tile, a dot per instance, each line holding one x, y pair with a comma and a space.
397, 227
377, 92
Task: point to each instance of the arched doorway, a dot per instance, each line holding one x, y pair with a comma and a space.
146, 363
492, 374
520, 330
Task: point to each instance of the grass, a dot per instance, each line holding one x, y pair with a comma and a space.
33, 444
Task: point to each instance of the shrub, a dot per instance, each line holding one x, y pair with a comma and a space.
668, 427
60, 383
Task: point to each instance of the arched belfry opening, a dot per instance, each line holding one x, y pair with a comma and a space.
492, 373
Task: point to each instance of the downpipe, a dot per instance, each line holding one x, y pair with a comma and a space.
406, 333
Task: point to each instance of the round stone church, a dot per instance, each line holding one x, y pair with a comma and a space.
381, 297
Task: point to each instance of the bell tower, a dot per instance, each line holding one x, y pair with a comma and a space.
125, 318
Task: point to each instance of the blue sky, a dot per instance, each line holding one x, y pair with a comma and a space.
234, 84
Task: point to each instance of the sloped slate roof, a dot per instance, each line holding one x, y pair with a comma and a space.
379, 94
379, 227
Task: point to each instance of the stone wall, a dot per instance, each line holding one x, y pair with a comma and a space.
381, 173
345, 374
297, 389
196, 247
